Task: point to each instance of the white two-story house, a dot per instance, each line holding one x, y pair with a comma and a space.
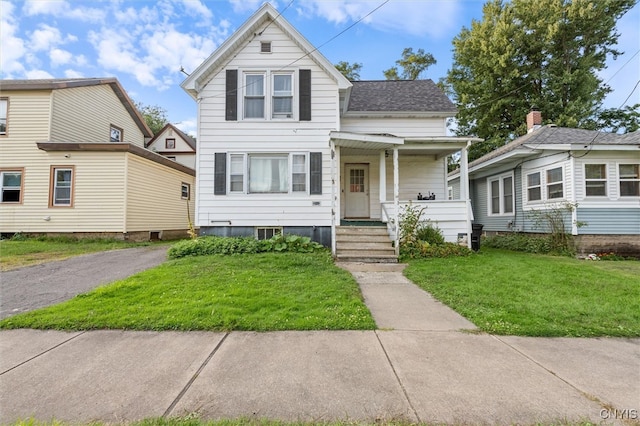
287, 144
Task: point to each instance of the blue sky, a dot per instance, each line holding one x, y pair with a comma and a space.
145, 43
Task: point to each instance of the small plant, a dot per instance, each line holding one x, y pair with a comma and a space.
552, 219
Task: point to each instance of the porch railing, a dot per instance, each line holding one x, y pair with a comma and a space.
453, 217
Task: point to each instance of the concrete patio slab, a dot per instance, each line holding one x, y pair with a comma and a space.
459, 378
19, 346
108, 376
298, 376
607, 368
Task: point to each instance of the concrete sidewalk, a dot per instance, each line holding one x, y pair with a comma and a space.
419, 367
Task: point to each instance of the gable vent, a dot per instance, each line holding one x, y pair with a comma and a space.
265, 47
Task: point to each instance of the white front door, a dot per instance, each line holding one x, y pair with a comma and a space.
356, 191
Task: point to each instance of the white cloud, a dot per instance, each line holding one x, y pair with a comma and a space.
116, 51
189, 126
37, 74
45, 37
433, 18
60, 57
197, 8
73, 74
11, 46
63, 9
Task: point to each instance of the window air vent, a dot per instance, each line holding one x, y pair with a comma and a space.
265, 47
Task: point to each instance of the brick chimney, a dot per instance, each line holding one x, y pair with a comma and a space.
534, 120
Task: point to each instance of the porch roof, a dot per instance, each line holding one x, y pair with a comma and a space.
365, 141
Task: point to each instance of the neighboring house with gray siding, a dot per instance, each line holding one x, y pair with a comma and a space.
551, 166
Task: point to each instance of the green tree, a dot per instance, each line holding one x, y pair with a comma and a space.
351, 71
618, 120
155, 116
545, 53
412, 64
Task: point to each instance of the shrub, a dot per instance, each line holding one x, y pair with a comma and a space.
430, 234
540, 244
204, 246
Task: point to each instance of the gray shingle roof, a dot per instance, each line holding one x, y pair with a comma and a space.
552, 135
399, 96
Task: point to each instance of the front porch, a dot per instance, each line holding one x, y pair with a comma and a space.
375, 177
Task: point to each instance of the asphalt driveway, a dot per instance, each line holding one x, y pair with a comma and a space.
46, 284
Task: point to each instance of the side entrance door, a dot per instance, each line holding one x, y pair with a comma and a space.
356, 191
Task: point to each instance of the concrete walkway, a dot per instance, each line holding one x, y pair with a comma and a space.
418, 367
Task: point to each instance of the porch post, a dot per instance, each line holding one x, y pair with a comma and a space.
464, 187
383, 177
332, 149
396, 199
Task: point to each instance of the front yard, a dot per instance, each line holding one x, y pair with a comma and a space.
514, 293
502, 292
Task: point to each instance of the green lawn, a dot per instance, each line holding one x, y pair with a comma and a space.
262, 292
511, 293
30, 251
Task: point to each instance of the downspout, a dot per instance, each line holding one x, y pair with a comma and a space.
574, 204
396, 199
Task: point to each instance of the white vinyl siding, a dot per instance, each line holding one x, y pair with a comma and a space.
265, 136
402, 127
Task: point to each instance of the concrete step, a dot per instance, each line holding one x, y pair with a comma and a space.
367, 259
361, 230
367, 244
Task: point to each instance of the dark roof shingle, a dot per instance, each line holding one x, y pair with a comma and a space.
399, 96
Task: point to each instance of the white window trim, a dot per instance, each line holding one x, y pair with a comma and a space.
268, 77
618, 180
246, 174
501, 178
606, 196
544, 201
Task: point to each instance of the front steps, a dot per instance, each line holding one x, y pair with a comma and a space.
369, 244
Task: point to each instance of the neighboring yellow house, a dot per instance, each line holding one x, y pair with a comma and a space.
174, 144
73, 160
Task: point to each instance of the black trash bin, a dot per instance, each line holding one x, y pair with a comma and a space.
476, 232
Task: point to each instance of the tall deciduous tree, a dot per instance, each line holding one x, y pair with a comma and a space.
412, 64
543, 53
155, 116
351, 71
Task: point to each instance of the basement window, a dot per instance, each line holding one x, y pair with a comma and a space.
266, 233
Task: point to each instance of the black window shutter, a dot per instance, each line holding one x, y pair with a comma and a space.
231, 88
220, 174
305, 95
315, 166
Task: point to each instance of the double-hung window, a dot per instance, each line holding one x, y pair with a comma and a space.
298, 173
62, 186
236, 173
629, 180
595, 180
4, 103
554, 183
501, 199
11, 181
534, 189
254, 92
282, 96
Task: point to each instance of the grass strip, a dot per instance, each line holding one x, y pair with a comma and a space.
511, 293
258, 292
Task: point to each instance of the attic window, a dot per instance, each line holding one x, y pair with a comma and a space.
265, 47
